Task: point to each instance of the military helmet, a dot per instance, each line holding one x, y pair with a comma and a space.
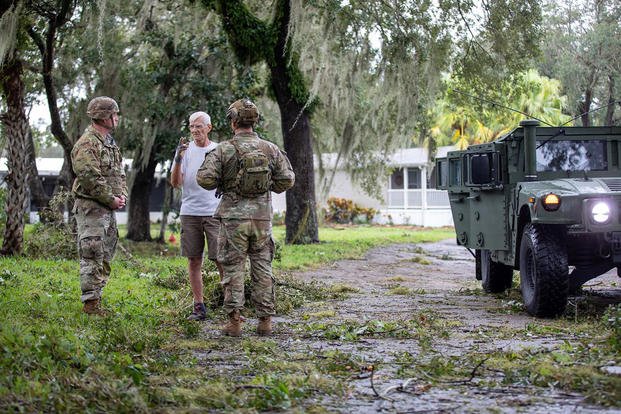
243, 111
102, 107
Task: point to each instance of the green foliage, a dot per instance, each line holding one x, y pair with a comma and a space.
342, 211
612, 319
588, 74
51, 241
349, 243
464, 116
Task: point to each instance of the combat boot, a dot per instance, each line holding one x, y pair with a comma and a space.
199, 313
265, 326
93, 307
233, 326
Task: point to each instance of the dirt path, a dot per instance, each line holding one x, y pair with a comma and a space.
425, 305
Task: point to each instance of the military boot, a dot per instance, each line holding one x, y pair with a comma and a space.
199, 313
93, 307
265, 326
233, 326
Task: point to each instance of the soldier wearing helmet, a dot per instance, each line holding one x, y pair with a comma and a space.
99, 189
246, 170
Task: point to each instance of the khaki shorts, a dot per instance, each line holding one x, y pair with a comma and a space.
194, 230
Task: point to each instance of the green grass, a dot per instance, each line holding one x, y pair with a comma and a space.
349, 243
143, 355
146, 357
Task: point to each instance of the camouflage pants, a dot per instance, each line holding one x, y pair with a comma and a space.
237, 240
97, 238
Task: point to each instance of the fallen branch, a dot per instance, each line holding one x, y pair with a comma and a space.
252, 387
377, 394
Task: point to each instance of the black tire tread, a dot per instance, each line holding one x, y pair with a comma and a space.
499, 276
551, 283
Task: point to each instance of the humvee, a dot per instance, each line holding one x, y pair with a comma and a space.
542, 200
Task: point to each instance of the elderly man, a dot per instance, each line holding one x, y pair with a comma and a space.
99, 189
197, 207
246, 169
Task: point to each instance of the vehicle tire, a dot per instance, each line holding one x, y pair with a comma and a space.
543, 270
477, 264
495, 277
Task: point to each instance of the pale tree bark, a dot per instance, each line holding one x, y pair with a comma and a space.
16, 127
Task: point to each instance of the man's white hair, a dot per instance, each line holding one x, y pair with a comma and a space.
200, 114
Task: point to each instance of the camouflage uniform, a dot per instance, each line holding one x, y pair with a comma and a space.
98, 166
246, 227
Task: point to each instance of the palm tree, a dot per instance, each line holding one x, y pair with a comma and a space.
16, 129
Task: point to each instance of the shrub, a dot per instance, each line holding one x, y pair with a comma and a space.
612, 319
52, 238
344, 211
49, 241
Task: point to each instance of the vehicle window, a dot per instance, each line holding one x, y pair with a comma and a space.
455, 172
572, 155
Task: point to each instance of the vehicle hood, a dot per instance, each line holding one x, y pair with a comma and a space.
576, 186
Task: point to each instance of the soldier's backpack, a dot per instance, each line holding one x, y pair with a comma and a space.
254, 175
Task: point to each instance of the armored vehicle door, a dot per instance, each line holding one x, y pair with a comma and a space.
474, 179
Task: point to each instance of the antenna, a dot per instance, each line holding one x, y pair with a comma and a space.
592, 110
500, 105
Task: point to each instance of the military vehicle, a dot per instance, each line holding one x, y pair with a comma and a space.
542, 200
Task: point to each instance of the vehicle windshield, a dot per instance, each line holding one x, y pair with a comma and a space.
570, 155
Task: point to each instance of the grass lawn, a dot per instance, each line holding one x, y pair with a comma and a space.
55, 358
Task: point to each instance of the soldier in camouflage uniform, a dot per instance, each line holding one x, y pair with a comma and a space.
246, 169
99, 189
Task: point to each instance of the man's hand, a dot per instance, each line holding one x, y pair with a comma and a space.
118, 202
181, 148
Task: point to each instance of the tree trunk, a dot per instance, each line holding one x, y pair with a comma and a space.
16, 127
38, 196
245, 32
168, 195
610, 111
301, 218
584, 107
138, 221
47, 48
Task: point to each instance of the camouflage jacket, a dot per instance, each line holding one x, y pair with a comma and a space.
219, 170
98, 166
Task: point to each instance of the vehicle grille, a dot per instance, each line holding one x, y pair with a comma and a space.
613, 184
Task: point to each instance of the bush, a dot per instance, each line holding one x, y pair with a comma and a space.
52, 238
612, 319
343, 211
50, 241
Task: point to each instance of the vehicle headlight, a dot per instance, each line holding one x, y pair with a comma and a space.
551, 202
600, 212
